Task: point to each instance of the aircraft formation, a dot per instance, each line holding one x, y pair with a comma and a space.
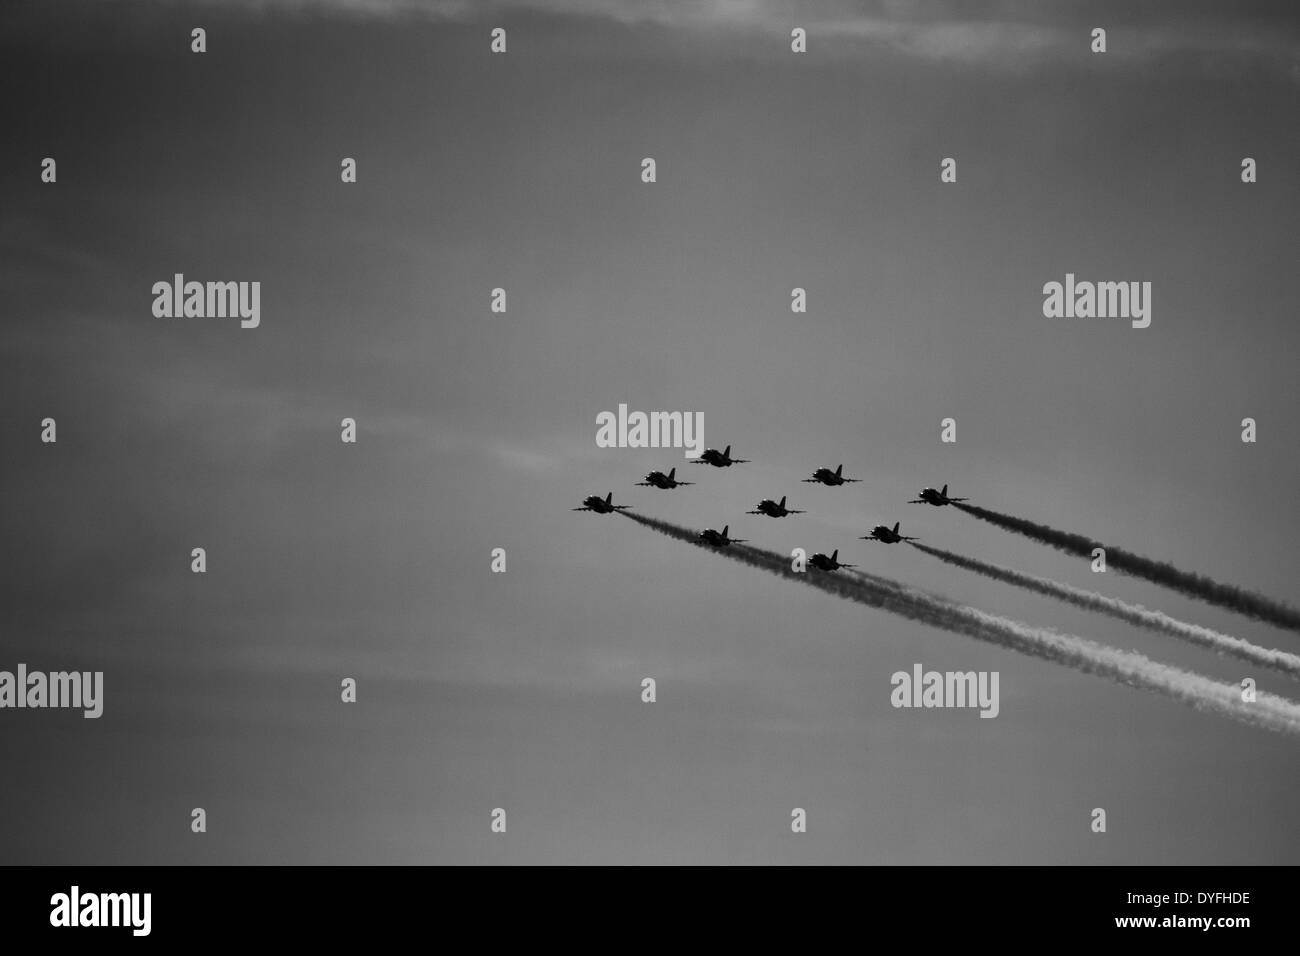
771, 507
1270, 712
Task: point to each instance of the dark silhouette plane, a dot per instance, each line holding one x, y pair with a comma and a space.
719, 539
657, 479
602, 506
823, 563
718, 459
774, 510
937, 498
828, 477
886, 534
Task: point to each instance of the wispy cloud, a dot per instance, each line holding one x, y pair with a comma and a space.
996, 33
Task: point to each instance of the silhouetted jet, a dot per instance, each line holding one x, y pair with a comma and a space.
937, 498
823, 563
886, 534
719, 459
657, 479
828, 477
774, 510
601, 506
719, 539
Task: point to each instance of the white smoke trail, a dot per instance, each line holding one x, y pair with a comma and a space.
1234, 598
1268, 711
1280, 661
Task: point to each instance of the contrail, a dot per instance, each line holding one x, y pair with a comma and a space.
1125, 667
1280, 661
1229, 596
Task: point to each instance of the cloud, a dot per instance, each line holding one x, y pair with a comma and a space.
996, 33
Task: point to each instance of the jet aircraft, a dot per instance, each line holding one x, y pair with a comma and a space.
719, 539
828, 477
823, 563
884, 533
774, 509
937, 498
657, 479
602, 506
719, 459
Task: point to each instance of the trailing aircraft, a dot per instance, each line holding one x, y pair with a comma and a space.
823, 563
937, 498
602, 506
828, 477
719, 539
886, 534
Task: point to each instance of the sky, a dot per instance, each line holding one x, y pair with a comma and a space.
522, 690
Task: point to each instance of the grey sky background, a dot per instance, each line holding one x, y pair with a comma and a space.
522, 690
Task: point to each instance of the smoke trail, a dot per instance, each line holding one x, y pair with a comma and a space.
1230, 596
1281, 661
1269, 711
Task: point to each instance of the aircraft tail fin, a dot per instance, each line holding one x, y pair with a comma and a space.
725, 529
783, 501
609, 498
672, 473
945, 491
835, 555
896, 524
726, 452
839, 470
